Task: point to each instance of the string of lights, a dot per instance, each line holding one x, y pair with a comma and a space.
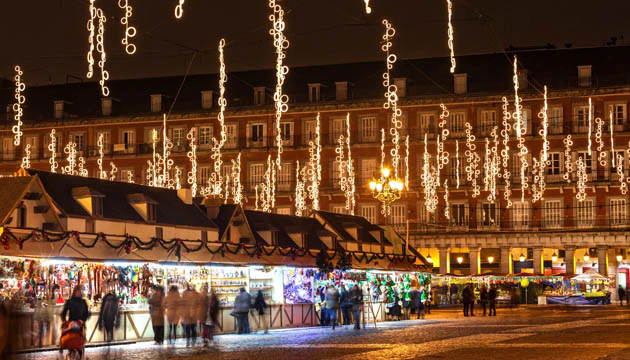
179, 9
505, 152
20, 99
599, 139
71, 157
26, 160
447, 206
216, 179
568, 164
520, 130
52, 147
612, 140
91, 39
300, 193
590, 124
83, 172
368, 9
450, 33
237, 187
314, 171
472, 161
113, 172
100, 47
391, 96
130, 31
192, 156
350, 181
582, 178
101, 154
130, 177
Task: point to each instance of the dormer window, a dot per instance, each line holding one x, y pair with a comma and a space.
314, 91
460, 83
156, 103
341, 91
90, 199
206, 99
259, 96
401, 86
59, 108
144, 206
106, 106
522, 79
584, 75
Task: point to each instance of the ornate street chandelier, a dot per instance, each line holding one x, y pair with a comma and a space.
386, 189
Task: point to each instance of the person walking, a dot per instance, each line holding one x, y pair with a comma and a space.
332, 305
260, 305
492, 301
44, 317
344, 304
173, 302
468, 296
202, 315
356, 299
242, 304
189, 314
109, 316
621, 293
211, 319
453, 291
156, 309
76, 309
483, 298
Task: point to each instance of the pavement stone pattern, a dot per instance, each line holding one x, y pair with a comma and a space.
522, 333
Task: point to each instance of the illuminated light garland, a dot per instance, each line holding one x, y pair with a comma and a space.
340, 158
442, 155
167, 162
472, 161
300, 192
538, 185
590, 125
505, 152
237, 187
350, 180
82, 170
256, 203
612, 140
457, 162
599, 139
623, 186
447, 213
539, 166
52, 147
130, 179
192, 156
268, 187
179, 9
520, 129
216, 178
71, 152
429, 180
152, 172
568, 164
113, 172
130, 31
582, 178
178, 175
100, 47
382, 148
407, 163
100, 144
368, 9
545, 128
91, 39
494, 165
450, 32
281, 43
26, 160
227, 188
314, 171
17, 105
391, 96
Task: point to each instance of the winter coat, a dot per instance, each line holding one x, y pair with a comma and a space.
77, 309
213, 309
202, 307
492, 294
156, 303
173, 310
109, 316
188, 307
468, 294
413, 299
332, 298
483, 295
242, 303
260, 304
356, 298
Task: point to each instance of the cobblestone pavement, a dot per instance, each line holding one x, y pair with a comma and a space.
525, 333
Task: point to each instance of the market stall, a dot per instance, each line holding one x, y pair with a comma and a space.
589, 288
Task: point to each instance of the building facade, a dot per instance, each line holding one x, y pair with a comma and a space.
479, 234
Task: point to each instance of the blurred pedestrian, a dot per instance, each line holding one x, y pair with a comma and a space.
492, 301
242, 304
211, 318
453, 291
260, 305
109, 316
344, 304
621, 292
173, 302
356, 299
421, 309
468, 295
76, 309
156, 308
189, 310
483, 298
332, 304
201, 307
44, 317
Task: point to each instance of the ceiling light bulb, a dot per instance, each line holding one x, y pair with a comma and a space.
619, 258
522, 257
554, 257
490, 259
460, 259
586, 257
385, 172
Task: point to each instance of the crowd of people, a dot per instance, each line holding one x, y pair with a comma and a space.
487, 300
335, 300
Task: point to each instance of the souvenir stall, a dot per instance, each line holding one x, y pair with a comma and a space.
589, 288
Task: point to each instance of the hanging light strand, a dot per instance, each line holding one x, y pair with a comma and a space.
450, 33
216, 178
382, 148
599, 139
612, 140
568, 164
26, 160
314, 171
623, 186
192, 156
391, 96
281, 43
447, 205
350, 180
83, 172
20, 99
442, 157
179, 9
130, 31
113, 172
590, 125
71, 157
101, 154
237, 186
407, 163
505, 152
130, 177
457, 162
582, 178
472, 161
300, 193
521, 129
368, 9
91, 39
52, 147
100, 47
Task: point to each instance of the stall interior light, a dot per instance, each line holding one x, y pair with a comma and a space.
522, 257
619, 258
586, 257
429, 259
554, 257
490, 259
460, 259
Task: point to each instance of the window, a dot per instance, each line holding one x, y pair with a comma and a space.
8, 151
107, 141
457, 121
368, 128
203, 174
285, 175
488, 120
552, 214
206, 100
97, 206
283, 211
159, 233
520, 215
459, 215
617, 211
205, 136
259, 96
584, 75
554, 166
309, 130
369, 212
59, 109
581, 118
427, 125
156, 103
256, 135
338, 209
21, 216
256, 174
460, 83
178, 137
489, 216
286, 129
128, 138
313, 92
106, 106
554, 117
334, 170
588, 160
231, 131
79, 140
584, 211
337, 128
526, 118
399, 216
619, 157
618, 114
368, 170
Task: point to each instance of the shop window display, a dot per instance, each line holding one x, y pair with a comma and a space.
298, 286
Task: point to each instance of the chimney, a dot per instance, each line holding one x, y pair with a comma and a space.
185, 195
460, 83
212, 205
106, 106
207, 97
156, 103
401, 85
341, 91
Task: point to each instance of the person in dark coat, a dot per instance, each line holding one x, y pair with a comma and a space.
213, 312
414, 295
157, 305
492, 301
109, 316
242, 304
621, 294
468, 295
344, 304
356, 299
75, 308
453, 291
332, 304
260, 305
173, 312
395, 310
483, 298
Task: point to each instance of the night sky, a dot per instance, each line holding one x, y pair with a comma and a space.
49, 37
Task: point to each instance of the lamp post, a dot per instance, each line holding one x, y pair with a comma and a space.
386, 189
